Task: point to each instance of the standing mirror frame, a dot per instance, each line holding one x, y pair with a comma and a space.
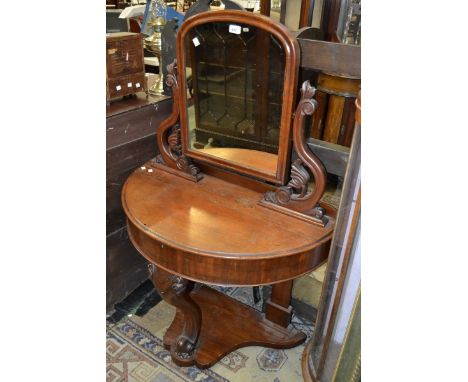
291, 68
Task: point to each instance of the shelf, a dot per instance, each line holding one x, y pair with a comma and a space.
252, 329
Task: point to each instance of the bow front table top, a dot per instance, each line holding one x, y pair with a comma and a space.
215, 232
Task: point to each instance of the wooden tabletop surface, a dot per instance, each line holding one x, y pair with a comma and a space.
213, 217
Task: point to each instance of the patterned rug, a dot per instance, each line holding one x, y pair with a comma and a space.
135, 352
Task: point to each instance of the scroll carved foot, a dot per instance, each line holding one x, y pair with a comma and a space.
176, 290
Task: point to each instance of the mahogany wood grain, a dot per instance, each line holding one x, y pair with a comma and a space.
176, 291
168, 137
331, 18
307, 8
249, 328
166, 153
216, 232
348, 122
318, 119
213, 230
265, 7
338, 85
125, 68
342, 91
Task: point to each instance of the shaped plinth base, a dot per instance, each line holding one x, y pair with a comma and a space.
228, 325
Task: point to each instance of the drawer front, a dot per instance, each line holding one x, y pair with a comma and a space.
121, 86
117, 87
124, 57
135, 83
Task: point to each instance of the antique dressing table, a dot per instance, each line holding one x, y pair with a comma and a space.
222, 204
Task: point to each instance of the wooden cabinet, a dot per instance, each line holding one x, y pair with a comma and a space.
124, 64
130, 132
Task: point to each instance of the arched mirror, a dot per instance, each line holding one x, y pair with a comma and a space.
234, 84
241, 71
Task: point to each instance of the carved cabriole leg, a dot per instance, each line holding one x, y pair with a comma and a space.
176, 291
278, 309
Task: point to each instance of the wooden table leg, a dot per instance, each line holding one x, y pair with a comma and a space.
278, 309
176, 290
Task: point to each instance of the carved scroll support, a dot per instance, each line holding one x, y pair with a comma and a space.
168, 138
176, 290
294, 198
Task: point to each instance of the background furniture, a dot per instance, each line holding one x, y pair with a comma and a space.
323, 57
125, 68
334, 352
334, 120
130, 137
316, 57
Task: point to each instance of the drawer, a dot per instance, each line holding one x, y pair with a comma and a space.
124, 57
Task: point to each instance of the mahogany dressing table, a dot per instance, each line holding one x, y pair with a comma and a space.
222, 204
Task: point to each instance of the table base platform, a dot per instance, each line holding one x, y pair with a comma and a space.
227, 325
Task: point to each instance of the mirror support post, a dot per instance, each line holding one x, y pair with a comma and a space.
295, 198
168, 138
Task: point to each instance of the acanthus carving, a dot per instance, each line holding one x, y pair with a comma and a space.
178, 284
295, 195
168, 136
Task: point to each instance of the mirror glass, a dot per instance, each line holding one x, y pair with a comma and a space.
235, 75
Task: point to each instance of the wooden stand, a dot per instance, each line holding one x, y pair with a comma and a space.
204, 242
215, 229
193, 338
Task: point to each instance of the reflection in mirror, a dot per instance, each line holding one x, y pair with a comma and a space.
235, 80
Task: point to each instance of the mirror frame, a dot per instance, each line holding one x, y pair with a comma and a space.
291, 70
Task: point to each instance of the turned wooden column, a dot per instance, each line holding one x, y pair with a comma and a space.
334, 118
